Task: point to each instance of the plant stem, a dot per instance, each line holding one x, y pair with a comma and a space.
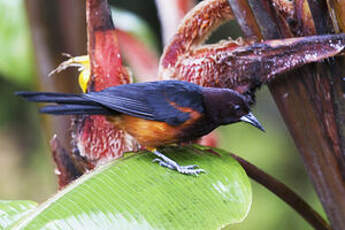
284, 193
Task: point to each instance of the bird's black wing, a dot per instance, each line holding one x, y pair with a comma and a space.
159, 101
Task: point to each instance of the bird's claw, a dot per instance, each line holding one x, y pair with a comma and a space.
190, 166
187, 169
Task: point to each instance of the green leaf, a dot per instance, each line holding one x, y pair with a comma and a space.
16, 58
12, 211
134, 193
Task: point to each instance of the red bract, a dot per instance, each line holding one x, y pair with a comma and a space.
193, 30
94, 137
240, 65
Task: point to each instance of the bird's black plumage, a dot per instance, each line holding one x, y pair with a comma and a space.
152, 100
166, 101
156, 113
156, 101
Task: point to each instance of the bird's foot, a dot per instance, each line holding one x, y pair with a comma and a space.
188, 169
168, 163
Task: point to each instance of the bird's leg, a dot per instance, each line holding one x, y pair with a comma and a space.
168, 163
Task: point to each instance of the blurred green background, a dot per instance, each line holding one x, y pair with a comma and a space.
27, 171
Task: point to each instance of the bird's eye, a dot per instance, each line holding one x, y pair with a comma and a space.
237, 107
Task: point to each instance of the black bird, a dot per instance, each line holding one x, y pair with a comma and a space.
156, 113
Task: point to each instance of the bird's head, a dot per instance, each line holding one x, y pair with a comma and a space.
226, 106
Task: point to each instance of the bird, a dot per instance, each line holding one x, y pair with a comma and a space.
156, 113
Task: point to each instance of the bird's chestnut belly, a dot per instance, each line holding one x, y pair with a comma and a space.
153, 133
146, 132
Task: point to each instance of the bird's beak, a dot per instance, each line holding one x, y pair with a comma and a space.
251, 119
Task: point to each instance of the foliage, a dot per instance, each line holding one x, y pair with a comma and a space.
16, 62
134, 193
12, 211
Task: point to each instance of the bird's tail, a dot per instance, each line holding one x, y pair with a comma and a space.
66, 104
